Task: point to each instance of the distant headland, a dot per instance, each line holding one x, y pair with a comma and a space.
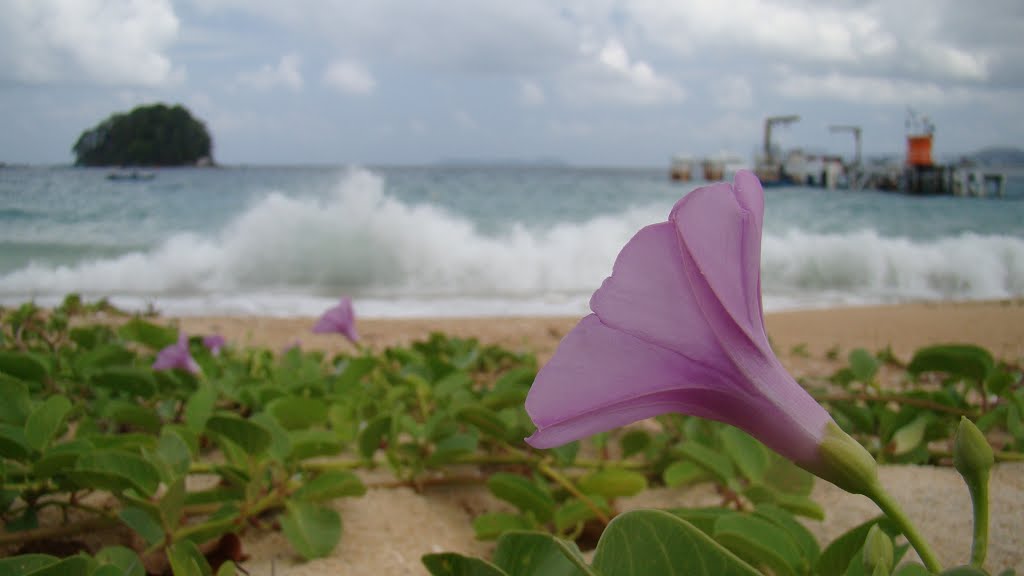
153, 135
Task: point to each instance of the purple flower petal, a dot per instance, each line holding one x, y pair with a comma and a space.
176, 356
678, 327
340, 319
214, 343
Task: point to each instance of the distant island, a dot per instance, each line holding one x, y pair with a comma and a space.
999, 156
154, 135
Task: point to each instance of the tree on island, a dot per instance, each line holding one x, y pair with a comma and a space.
154, 135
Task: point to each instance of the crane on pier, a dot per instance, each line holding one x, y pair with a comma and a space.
769, 122
856, 139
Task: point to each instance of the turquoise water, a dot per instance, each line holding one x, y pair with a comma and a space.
447, 240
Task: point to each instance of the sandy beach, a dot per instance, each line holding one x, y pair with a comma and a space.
388, 530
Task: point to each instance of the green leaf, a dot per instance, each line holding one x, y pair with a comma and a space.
71, 566
23, 366
127, 380
451, 564
491, 525
144, 522
311, 443
613, 483
25, 564
17, 404
714, 462
839, 553
484, 419
533, 554
786, 477
964, 361
909, 436
297, 413
172, 502
863, 365
131, 414
451, 448
119, 470
760, 543
250, 436
60, 457
125, 559
749, 455
45, 421
371, 436
174, 453
703, 519
187, 560
634, 442
329, 485
199, 407
148, 334
684, 473
13, 443
800, 535
573, 512
312, 530
645, 542
523, 494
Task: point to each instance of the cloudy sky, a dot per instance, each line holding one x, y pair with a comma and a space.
621, 82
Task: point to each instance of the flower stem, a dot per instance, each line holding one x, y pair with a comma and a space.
979, 501
568, 485
891, 509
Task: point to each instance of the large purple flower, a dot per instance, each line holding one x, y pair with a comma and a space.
339, 319
176, 356
678, 327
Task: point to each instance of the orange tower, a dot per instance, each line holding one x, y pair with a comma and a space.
920, 131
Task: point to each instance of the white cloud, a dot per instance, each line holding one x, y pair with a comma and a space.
111, 42
870, 37
610, 75
530, 93
871, 90
349, 77
732, 92
286, 73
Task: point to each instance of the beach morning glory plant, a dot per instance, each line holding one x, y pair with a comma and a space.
679, 327
340, 319
177, 356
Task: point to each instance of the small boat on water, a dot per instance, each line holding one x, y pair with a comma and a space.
131, 175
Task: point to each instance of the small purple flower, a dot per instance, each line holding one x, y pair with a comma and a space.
678, 327
176, 356
214, 343
340, 320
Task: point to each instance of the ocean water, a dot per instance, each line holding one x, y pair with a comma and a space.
461, 241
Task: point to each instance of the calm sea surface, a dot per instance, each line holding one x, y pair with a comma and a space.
427, 241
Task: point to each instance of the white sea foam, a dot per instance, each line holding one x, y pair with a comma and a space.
292, 256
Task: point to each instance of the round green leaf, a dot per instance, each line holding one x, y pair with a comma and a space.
330, 485
45, 421
23, 365
127, 380
297, 412
613, 483
646, 542
312, 530
523, 494
250, 436
451, 564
